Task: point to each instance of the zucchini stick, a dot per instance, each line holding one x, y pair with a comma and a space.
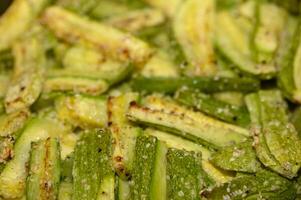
44, 170
112, 42
166, 115
204, 84
209, 105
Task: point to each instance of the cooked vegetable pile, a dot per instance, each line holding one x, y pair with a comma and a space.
150, 100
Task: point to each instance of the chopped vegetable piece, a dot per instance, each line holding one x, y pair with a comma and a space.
44, 170
112, 42
204, 84
240, 157
167, 115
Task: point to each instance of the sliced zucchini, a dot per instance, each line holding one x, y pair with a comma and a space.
123, 133
136, 20
87, 62
44, 170
27, 80
80, 6
4, 83
11, 123
68, 143
204, 84
82, 111
65, 191
296, 120
6, 149
165, 114
217, 175
123, 190
75, 84
168, 7
184, 174
271, 21
213, 107
240, 157
13, 176
275, 139
194, 29
290, 61
160, 65
263, 185
17, 19
110, 41
233, 43
92, 171
148, 180
234, 98
107, 9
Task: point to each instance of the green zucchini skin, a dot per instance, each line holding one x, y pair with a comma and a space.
276, 140
215, 175
264, 184
204, 84
211, 106
169, 116
92, 164
44, 170
184, 174
240, 157
148, 176
83, 111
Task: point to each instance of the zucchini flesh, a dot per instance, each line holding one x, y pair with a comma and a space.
13, 176
65, 191
194, 29
123, 190
204, 84
82, 111
166, 115
160, 65
169, 8
17, 19
44, 170
11, 123
271, 20
88, 62
232, 42
27, 79
75, 84
123, 133
288, 59
137, 20
6, 149
110, 41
